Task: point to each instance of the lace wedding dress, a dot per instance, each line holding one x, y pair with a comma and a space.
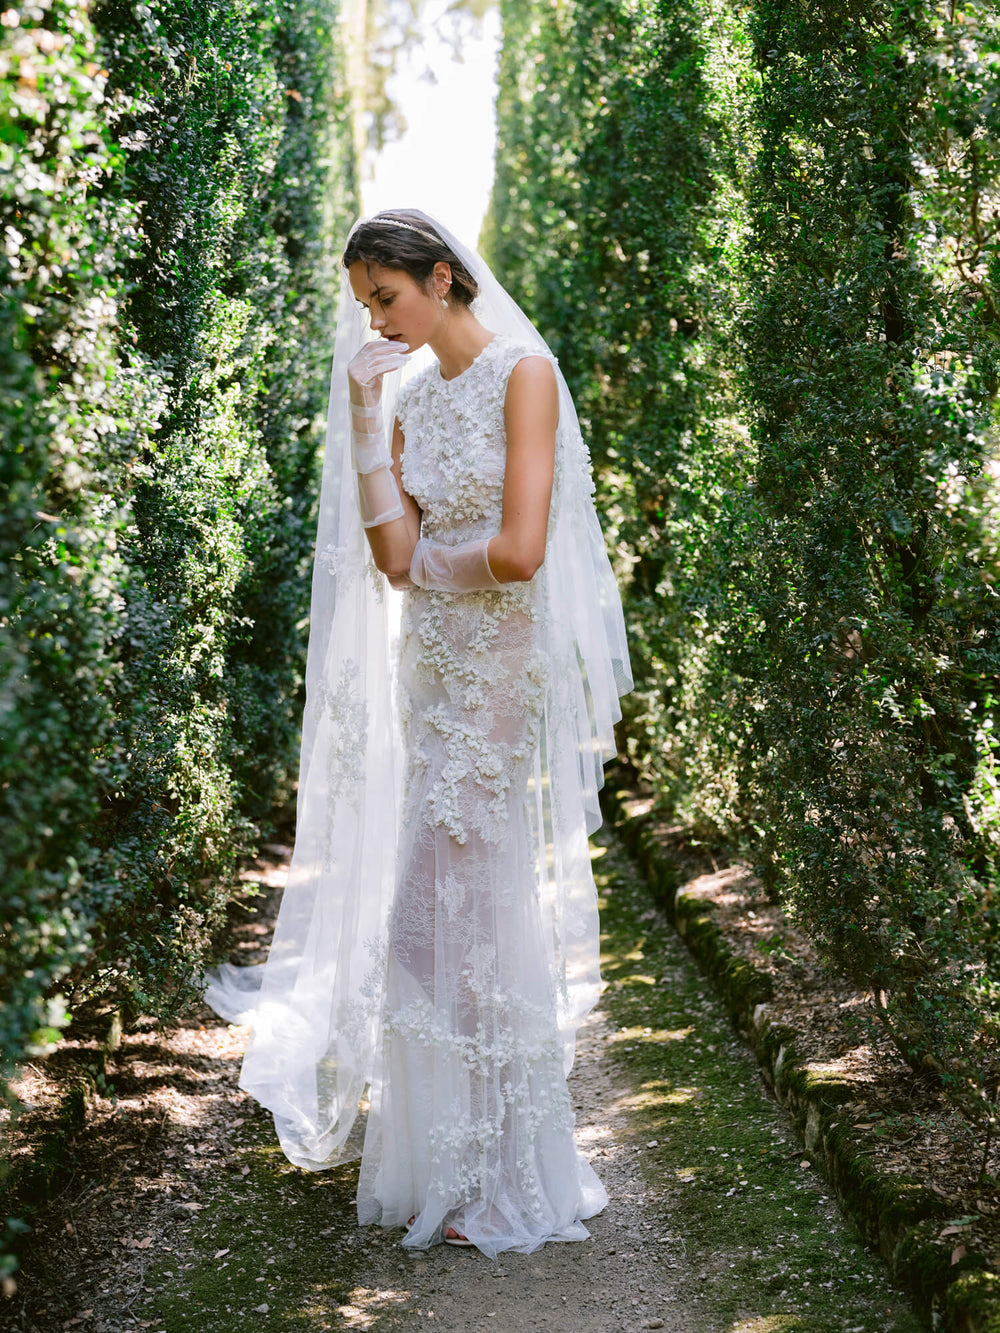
437, 943
470, 1123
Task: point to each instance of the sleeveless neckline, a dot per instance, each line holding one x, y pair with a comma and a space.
441, 379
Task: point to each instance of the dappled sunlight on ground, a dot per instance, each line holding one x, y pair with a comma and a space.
714, 885
654, 1037
593, 1136
827, 1068
766, 1251
646, 1106
635, 978
365, 1304
774, 1323
673, 1096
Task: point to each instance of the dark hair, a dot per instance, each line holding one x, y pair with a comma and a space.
415, 252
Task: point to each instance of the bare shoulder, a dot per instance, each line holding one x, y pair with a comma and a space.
532, 382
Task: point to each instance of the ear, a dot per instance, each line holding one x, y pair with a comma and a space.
442, 277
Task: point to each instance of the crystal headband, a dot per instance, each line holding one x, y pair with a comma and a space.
392, 222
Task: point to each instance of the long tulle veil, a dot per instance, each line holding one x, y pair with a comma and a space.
313, 1005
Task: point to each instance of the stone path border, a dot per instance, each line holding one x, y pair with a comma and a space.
899, 1218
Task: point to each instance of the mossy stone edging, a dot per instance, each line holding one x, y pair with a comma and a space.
898, 1216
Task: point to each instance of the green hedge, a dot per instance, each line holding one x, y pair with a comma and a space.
871, 353
176, 176
615, 221
762, 241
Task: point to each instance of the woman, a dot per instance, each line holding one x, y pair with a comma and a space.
438, 938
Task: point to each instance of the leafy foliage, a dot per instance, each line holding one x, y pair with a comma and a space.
762, 240
870, 341
175, 177
615, 220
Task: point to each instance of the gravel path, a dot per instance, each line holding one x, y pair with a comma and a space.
186, 1216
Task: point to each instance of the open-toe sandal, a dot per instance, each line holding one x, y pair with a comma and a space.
455, 1238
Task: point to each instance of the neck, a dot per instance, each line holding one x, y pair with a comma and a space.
458, 341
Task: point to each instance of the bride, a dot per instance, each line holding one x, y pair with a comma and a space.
437, 943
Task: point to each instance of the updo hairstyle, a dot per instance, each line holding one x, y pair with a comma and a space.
415, 252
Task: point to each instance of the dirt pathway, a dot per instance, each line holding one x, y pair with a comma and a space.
185, 1215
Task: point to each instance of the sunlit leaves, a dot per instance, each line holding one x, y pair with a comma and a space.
167, 229
763, 244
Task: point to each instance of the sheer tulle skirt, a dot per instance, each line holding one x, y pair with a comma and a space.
470, 1122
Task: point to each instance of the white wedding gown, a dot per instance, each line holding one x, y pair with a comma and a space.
471, 1124
488, 960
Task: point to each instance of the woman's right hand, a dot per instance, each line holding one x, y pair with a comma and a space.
375, 359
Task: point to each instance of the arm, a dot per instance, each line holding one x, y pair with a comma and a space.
389, 516
392, 543
531, 414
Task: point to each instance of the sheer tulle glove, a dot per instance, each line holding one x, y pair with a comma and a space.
373, 360
462, 568
371, 456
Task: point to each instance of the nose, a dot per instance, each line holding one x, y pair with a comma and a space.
377, 320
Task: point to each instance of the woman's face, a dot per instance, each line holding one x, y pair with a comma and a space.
399, 307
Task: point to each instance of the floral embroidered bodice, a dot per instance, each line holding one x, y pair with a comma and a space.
481, 645
455, 444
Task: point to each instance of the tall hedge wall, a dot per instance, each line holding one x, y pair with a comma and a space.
762, 241
872, 367
175, 175
615, 221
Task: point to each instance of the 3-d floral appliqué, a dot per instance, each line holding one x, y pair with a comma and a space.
473, 1057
